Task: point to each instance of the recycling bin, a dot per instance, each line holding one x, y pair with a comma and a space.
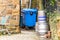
29, 17
21, 21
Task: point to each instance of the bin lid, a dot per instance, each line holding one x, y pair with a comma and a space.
29, 10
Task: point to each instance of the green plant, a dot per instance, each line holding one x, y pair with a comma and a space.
51, 6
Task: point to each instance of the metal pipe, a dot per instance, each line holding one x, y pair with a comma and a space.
30, 3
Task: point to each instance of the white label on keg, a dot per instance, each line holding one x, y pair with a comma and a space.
41, 13
42, 18
41, 22
41, 28
42, 31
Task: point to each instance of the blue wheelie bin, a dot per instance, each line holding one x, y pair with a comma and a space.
29, 18
21, 21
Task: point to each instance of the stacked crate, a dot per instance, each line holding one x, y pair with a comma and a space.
10, 9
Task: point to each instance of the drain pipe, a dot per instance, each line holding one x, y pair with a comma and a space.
30, 3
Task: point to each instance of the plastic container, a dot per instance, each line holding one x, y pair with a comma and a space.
21, 21
29, 17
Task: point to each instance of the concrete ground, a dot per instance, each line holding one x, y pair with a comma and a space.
30, 35
25, 35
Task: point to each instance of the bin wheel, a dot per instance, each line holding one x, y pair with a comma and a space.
30, 28
23, 27
27, 28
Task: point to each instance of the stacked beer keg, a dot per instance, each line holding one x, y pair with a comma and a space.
42, 24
